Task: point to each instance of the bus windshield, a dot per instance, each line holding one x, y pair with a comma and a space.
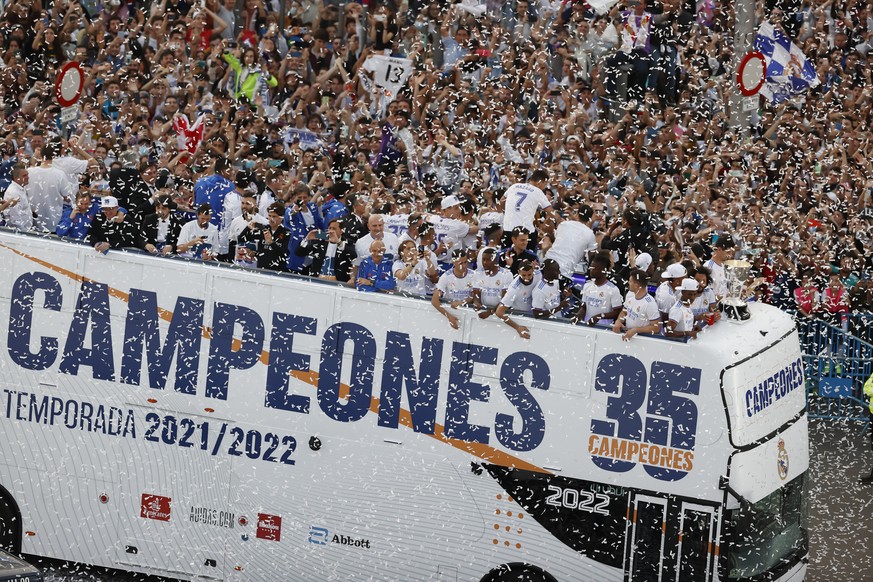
769, 533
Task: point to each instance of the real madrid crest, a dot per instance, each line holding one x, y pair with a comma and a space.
782, 460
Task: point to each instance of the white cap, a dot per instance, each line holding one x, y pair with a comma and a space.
643, 261
689, 284
109, 202
674, 271
450, 201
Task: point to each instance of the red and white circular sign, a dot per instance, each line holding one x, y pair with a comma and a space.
69, 84
751, 73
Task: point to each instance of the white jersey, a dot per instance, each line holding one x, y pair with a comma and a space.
265, 200
547, 295
450, 232
719, 280
600, 299
240, 223
191, 231
491, 287
573, 242
19, 216
362, 247
520, 296
73, 168
640, 312
396, 224
701, 303
521, 204
683, 316
47, 190
416, 282
666, 296
454, 288
488, 218
232, 210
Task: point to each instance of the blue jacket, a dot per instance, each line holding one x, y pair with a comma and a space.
298, 228
79, 226
213, 189
332, 209
381, 275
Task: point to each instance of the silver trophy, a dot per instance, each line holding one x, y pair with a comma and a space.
733, 305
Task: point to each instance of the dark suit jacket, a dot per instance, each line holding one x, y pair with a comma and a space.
148, 231
117, 234
354, 228
273, 256
317, 251
132, 192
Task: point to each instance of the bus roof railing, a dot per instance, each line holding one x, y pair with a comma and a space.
314, 280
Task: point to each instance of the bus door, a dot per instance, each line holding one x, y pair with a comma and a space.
696, 543
648, 526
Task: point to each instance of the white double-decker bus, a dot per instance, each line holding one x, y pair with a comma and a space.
206, 423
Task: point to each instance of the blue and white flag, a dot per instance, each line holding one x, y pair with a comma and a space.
789, 72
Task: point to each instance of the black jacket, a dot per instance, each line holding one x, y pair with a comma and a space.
148, 231
273, 256
317, 251
117, 234
354, 228
132, 192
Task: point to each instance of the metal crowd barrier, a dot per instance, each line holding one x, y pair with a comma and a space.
861, 326
837, 364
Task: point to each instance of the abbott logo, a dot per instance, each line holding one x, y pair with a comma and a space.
318, 535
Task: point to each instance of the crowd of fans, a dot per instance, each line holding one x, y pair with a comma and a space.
392, 146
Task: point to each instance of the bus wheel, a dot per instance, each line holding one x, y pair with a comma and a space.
10, 523
518, 572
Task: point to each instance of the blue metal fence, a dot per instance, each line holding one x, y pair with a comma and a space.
837, 365
861, 326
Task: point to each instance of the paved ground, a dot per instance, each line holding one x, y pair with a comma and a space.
840, 511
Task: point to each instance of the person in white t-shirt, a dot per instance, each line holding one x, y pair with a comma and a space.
521, 203
519, 294
601, 299
16, 206
376, 225
448, 228
548, 299
681, 318
198, 239
574, 240
640, 312
722, 251
454, 286
705, 304
490, 284
415, 272
668, 292
244, 253
48, 190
